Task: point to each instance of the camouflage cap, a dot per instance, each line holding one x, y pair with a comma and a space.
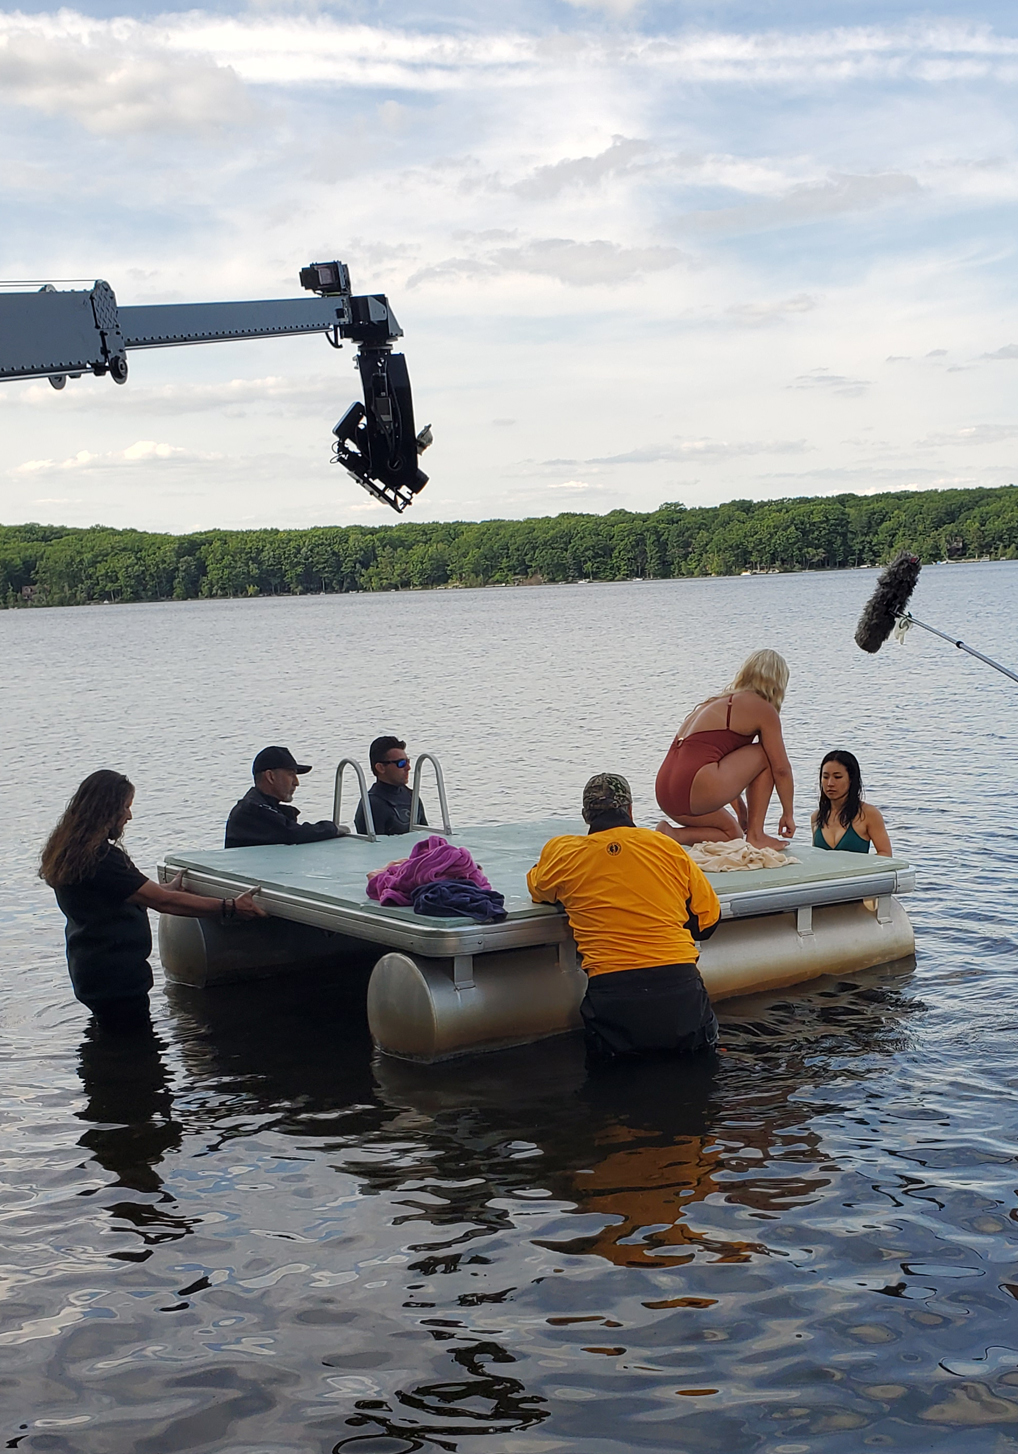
606, 792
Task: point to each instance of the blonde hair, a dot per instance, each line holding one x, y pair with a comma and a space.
766, 673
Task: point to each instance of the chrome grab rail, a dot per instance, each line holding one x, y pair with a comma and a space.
415, 800
337, 798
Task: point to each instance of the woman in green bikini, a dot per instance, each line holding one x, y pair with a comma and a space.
843, 820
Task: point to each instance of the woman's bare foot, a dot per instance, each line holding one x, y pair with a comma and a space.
764, 840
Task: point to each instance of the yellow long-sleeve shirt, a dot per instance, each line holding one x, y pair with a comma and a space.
629, 894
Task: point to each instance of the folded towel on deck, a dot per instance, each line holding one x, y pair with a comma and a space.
430, 859
455, 898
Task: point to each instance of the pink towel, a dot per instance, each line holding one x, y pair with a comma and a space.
430, 859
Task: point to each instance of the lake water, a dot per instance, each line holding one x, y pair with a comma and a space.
249, 1236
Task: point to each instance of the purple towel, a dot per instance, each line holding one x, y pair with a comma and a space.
430, 859
457, 899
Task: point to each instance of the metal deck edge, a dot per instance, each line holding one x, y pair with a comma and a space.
439, 940
750, 903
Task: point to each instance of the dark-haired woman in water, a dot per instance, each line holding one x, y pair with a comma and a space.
106, 900
843, 820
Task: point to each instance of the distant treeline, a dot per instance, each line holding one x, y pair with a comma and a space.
50, 565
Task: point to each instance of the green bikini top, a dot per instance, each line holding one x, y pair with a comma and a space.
849, 842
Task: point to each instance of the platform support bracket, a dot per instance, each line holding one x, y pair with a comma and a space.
804, 921
884, 909
463, 971
566, 954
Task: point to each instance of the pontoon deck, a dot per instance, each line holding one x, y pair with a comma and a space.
444, 987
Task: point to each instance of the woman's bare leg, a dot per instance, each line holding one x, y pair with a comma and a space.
719, 827
718, 783
758, 796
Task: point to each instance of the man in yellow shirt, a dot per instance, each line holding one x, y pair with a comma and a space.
637, 904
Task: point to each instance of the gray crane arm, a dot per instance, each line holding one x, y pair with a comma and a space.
61, 335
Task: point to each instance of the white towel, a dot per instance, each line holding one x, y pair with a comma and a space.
734, 854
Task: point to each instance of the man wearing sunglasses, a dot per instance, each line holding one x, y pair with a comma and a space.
389, 795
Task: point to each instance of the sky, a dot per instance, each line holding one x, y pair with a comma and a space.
640, 252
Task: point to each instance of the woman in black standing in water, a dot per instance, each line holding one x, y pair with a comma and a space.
106, 900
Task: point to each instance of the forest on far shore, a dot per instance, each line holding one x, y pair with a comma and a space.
53, 565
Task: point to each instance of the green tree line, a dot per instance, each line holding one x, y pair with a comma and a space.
52, 565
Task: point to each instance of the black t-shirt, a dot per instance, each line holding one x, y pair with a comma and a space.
108, 939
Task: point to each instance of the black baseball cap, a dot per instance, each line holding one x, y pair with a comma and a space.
271, 757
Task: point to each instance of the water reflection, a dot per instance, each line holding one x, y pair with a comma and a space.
478, 1402
480, 1296
640, 1145
133, 1130
290, 1049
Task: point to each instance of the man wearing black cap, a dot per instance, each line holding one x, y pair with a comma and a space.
265, 815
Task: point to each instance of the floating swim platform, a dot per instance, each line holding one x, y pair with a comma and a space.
447, 986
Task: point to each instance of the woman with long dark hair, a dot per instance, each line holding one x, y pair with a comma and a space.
105, 899
842, 820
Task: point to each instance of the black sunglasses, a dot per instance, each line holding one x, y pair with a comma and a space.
396, 762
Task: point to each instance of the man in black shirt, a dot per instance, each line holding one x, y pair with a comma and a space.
389, 795
265, 815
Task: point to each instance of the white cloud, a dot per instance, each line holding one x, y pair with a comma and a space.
1009, 351
142, 452
972, 435
114, 79
623, 157
301, 394
703, 449
834, 383
289, 50
580, 264
759, 314
808, 202
617, 8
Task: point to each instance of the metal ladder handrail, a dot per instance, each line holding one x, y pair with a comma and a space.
337, 798
415, 799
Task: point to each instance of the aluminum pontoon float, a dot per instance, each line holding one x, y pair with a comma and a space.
447, 987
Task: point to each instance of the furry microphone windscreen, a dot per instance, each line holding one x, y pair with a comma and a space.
888, 601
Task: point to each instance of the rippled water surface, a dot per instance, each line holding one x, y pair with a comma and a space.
248, 1235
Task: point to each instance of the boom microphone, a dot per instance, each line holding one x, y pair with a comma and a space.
888, 601
885, 609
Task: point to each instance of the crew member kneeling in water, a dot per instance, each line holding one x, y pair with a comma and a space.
637, 904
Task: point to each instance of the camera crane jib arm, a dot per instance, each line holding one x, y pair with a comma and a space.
61, 335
